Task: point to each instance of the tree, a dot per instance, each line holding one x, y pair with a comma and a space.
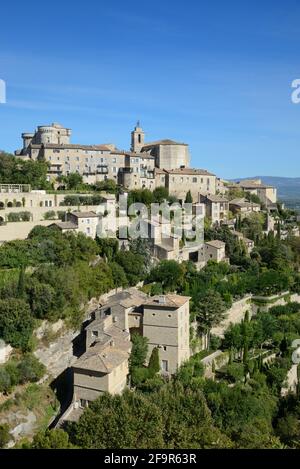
139, 351
160, 194
30, 369
127, 421
51, 439
118, 275
16, 322
188, 198
73, 180
210, 312
21, 283
154, 365
4, 435
169, 273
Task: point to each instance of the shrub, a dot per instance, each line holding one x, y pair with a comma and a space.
50, 215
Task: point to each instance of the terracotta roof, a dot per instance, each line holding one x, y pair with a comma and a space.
163, 142
110, 350
189, 171
70, 146
168, 301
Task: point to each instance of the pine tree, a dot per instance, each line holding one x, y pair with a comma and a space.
154, 365
21, 283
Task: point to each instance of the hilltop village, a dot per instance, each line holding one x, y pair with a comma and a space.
150, 312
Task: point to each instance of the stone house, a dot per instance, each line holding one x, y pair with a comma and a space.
166, 324
212, 251
217, 207
243, 207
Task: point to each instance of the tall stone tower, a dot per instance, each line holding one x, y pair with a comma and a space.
137, 138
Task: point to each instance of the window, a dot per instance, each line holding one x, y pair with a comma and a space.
114, 169
84, 403
194, 179
77, 158
139, 138
153, 314
165, 366
169, 315
94, 333
164, 348
88, 230
114, 160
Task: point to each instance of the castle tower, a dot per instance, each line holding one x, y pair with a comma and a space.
137, 138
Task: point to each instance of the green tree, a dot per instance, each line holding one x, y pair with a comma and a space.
16, 323
4, 435
139, 351
51, 439
210, 311
154, 364
188, 197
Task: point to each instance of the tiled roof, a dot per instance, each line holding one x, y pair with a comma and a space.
65, 225
85, 214
189, 171
216, 243
72, 146
170, 301
163, 142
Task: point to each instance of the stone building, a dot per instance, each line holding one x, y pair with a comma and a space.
104, 365
213, 251
243, 207
217, 207
266, 192
181, 180
79, 222
166, 324
133, 169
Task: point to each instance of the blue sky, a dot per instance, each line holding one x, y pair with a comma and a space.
216, 75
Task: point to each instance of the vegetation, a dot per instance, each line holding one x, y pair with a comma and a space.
23, 171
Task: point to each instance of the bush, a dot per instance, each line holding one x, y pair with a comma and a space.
235, 372
4, 435
50, 215
30, 369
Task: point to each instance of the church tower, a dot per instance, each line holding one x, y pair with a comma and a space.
137, 138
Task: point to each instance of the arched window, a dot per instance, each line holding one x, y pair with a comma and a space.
139, 138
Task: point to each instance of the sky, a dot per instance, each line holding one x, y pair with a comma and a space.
216, 75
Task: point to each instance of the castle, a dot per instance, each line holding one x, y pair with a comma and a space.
146, 165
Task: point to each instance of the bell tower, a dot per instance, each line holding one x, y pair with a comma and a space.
137, 138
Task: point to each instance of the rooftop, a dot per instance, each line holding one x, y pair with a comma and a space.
85, 214
71, 146
216, 243
189, 171
243, 203
163, 142
65, 225
216, 198
168, 301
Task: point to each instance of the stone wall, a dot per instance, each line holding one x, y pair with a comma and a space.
234, 315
